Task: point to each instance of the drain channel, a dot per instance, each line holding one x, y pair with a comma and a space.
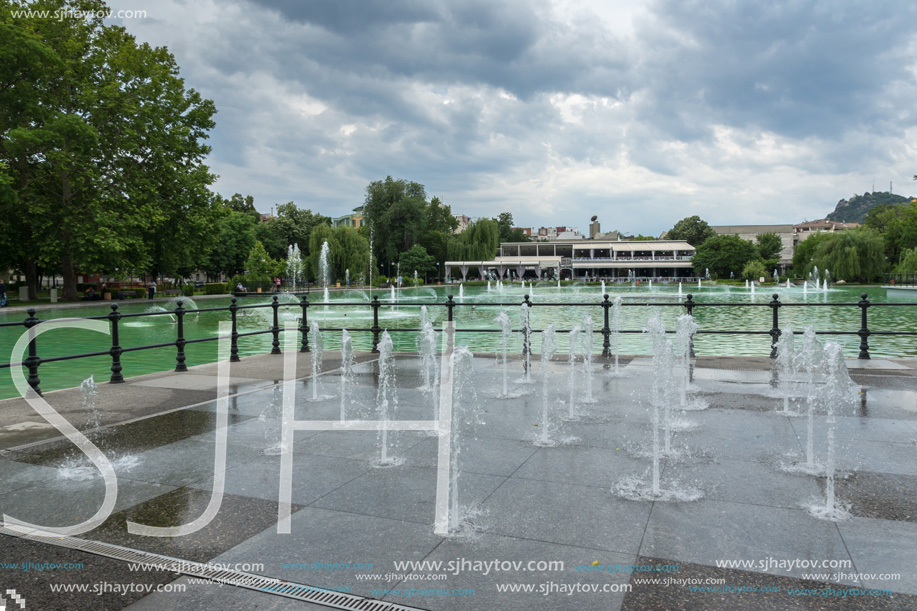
258, 583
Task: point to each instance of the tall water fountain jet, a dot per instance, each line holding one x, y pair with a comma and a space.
461, 291
386, 399
698, 283
548, 349
317, 354
685, 330
588, 344
88, 392
812, 355
571, 377
347, 277
603, 290
679, 289
662, 396
617, 324
465, 420
785, 365
532, 290
347, 365
270, 419
324, 266
836, 392
426, 344
294, 265
489, 288
506, 333
661, 347
524, 315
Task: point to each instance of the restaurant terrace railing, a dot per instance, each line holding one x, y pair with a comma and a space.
33, 361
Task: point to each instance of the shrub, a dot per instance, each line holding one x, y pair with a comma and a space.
140, 293
187, 290
215, 288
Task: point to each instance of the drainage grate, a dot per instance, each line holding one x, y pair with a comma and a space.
287, 589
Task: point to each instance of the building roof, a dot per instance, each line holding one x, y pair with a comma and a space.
736, 229
826, 224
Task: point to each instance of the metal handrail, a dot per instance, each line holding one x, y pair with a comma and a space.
33, 361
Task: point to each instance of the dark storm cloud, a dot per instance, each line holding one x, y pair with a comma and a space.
795, 68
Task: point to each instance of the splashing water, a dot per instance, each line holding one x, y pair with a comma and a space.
318, 353
386, 400
571, 380
617, 323
785, 364
466, 414
88, 392
685, 329
548, 349
524, 315
812, 363
270, 418
837, 392
294, 265
588, 345
347, 364
506, 333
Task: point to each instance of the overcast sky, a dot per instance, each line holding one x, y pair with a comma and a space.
640, 112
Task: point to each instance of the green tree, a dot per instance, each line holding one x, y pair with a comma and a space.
108, 160
897, 224
769, 247
723, 254
804, 252
479, 242
235, 237
692, 230
417, 259
754, 270
259, 264
854, 255
908, 263
351, 253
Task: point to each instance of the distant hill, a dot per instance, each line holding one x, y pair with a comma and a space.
854, 210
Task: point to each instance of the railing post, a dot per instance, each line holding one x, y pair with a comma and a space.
275, 329
180, 340
234, 333
606, 329
304, 324
689, 308
32, 361
375, 329
114, 316
450, 306
775, 325
864, 327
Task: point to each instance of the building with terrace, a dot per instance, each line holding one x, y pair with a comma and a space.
661, 260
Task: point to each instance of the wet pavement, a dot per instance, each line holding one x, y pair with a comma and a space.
520, 502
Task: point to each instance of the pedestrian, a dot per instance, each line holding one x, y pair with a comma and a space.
277, 284
152, 288
2, 293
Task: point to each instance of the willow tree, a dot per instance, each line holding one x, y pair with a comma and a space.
854, 255
479, 242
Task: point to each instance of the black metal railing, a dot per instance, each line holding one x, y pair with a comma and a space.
901, 279
32, 362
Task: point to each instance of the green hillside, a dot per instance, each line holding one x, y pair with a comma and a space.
854, 210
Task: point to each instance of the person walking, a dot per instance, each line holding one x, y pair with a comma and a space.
2, 293
152, 288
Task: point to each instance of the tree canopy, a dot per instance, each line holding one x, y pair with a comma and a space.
104, 145
722, 255
854, 255
692, 230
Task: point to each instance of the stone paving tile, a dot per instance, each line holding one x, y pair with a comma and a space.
406, 493
763, 592
708, 531
325, 536
238, 519
313, 477
877, 495
546, 584
547, 511
883, 548
94, 573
